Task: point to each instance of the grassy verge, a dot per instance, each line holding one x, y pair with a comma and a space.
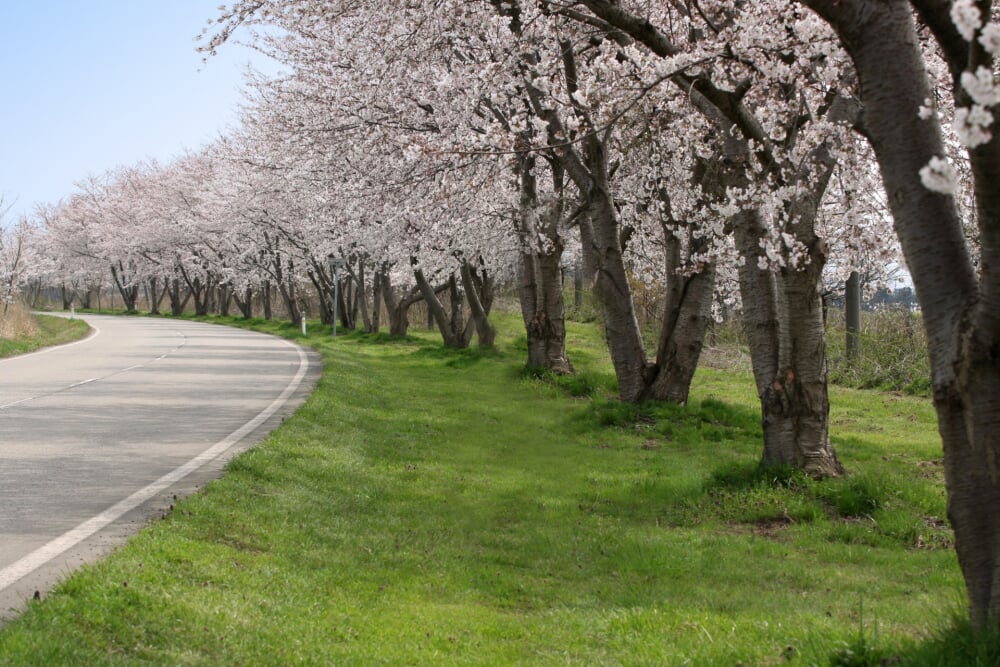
46, 331
433, 507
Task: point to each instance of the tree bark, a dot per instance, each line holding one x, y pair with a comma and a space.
376, 304
68, 295
177, 304
477, 293
397, 308
687, 314
852, 315
451, 327
540, 288
129, 292
961, 314
362, 298
244, 304
265, 298
784, 323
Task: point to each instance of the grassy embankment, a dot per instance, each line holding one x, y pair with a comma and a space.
432, 507
22, 332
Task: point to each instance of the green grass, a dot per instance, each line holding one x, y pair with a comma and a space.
436, 507
51, 331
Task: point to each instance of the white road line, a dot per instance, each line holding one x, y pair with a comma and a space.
28, 564
23, 400
79, 384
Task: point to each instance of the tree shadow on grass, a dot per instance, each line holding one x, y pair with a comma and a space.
956, 644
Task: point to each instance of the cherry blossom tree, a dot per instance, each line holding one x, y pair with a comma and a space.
960, 302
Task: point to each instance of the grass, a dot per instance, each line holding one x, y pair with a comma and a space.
436, 507
22, 332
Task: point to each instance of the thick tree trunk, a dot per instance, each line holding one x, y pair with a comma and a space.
784, 323
603, 244
450, 327
376, 304
130, 293
398, 308
87, 298
265, 299
319, 280
156, 295
960, 314
687, 314
176, 304
543, 312
628, 352
68, 295
244, 304
288, 297
225, 299
362, 298
346, 309
479, 302
542, 307
199, 293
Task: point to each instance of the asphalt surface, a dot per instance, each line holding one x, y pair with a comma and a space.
98, 437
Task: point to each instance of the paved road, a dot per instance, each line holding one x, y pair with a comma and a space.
98, 436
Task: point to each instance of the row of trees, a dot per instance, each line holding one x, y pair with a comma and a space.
730, 152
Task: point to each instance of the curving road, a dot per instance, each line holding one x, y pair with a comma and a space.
98, 436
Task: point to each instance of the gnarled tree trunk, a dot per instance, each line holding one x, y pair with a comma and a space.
451, 325
479, 292
540, 284
960, 313
397, 307
784, 323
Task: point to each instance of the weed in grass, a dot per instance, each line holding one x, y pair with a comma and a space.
739, 476
620, 414
857, 495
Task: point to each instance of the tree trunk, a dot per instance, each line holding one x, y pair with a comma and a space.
540, 290
450, 323
687, 314
87, 298
959, 311
852, 315
317, 276
398, 309
784, 323
345, 306
176, 305
628, 352
130, 293
244, 304
362, 298
224, 299
68, 295
479, 305
265, 298
288, 297
156, 295
376, 323
541, 295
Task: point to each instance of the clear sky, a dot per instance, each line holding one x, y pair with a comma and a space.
86, 85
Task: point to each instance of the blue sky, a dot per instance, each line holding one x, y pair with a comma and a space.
86, 85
